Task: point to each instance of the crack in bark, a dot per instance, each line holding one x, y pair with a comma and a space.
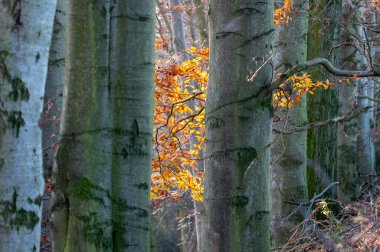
113, 131
253, 96
266, 33
135, 17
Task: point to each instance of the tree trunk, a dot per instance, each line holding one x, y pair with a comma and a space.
179, 34
238, 127
81, 207
201, 21
53, 104
288, 153
350, 58
26, 29
132, 87
54, 87
365, 154
322, 141
104, 159
365, 146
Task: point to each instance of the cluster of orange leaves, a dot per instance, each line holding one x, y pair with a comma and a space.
291, 91
162, 43
281, 15
180, 8
299, 85
179, 127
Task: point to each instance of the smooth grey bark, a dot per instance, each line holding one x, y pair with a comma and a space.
103, 167
26, 29
365, 154
201, 21
81, 207
365, 146
54, 88
53, 97
322, 141
238, 127
132, 86
288, 152
178, 30
195, 35
350, 58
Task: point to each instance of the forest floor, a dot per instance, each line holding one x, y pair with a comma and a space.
355, 228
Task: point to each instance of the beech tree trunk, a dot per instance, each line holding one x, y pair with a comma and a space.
178, 29
201, 21
350, 58
53, 95
26, 29
132, 87
288, 153
365, 155
104, 159
238, 127
53, 98
322, 141
81, 206
365, 146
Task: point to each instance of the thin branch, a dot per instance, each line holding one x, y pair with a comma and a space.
340, 119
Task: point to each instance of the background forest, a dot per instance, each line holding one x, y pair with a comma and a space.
189, 125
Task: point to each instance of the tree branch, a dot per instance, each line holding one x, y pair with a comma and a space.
346, 118
327, 65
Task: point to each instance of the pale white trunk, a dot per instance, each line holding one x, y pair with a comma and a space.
365, 147
365, 153
26, 29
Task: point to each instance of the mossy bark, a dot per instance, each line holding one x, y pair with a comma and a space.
26, 27
238, 127
81, 209
104, 158
322, 141
288, 153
